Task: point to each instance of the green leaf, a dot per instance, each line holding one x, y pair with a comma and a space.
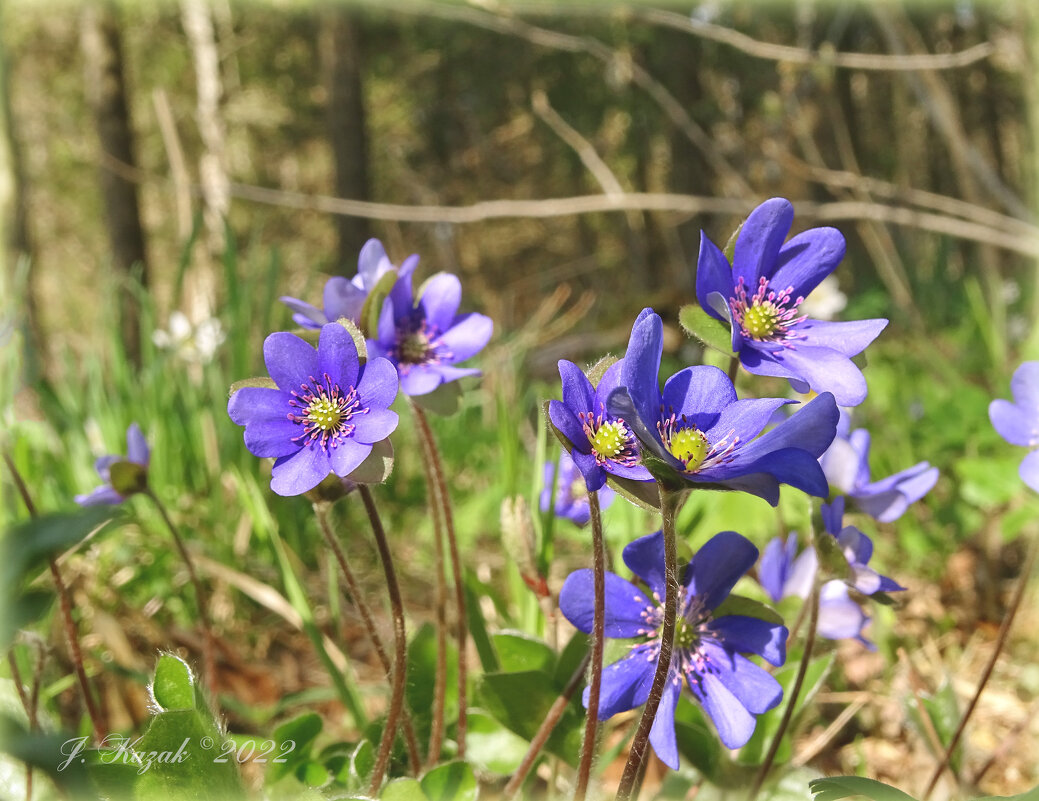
491, 747
173, 686
943, 710
403, 790
49, 753
377, 465
360, 766
444, 400
519, 651
748, 607
421, 674
838, 787
262, 381
570, 659
453, 781
730, 246
478, 626
709, 331
294, 739
27, 546
696, 740
1027, 795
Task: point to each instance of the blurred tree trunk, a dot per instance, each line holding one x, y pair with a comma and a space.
347, 134
106, 95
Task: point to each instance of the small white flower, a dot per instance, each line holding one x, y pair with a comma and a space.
192, 343
826, 301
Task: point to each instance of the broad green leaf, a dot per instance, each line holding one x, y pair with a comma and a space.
49, 753
294, 739
403, 790
570, 658
362, 762
838, 787
1027, 795
697, 741
420, 686
478, 626
491, 747
453, 781
739, 605
173, 686
707, 330
26, 547
312, 774
519, 651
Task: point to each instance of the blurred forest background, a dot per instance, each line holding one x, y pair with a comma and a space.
562, 159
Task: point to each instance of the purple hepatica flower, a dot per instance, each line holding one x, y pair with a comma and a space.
707, 650
571, 492
783, 574
857, 549
424, 339
345, 297
1018, 422
137, 453
846, 465
601, 443
326, 413
706, 435
759, 296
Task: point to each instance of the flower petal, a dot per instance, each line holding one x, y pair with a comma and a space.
372, 262
577, 389
718, 565
136, 445
753, 686
810, 429
645, 558
641, 371
420, 379
466, 337
795, 467
759, 241
304, 315
378, 385
100, 496
376, 424
569, 426
744, 419
662, 734
847, 338
841, 463
258, 405
343, 299
347, 456
441, 295
751, 635
290, 361
807, 259
699, 393
839, 616
1029, 470
825, 370
625, 684
337, 356
713, 274
301, 472
774, 564
1013, 423
272, 438
734, 723
626, 605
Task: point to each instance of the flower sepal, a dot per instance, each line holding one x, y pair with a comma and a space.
705, 329
128, 478
357, 336
833, 564
748, 607
368, 319
444, 401
262, 382
375, 469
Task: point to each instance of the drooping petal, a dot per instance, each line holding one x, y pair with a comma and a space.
136, 445
757, 247
713, 274
1029, 470
645, 558
833, 515
762, 485
751, 685
734, 723
347, 456
1013, 423
378, 385
807, 259
594, 475
374, 425
337, 356
751, 635
625, 683
718, 565
301, 472
791, 466
441, 295
466, 337
847, 338
290, 360
343, 299
104, 463
626, 605
662, 734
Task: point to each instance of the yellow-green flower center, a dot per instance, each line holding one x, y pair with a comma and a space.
690, 446
323, 413
761, 320
414, 348
609, 440
686, 636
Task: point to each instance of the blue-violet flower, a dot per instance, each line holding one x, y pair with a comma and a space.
857, 549
706, 435
846, 465
424, 338
708, 649
345, 297
1018, 422
568, 497
135, 478
759, 296
324, 416
601, 443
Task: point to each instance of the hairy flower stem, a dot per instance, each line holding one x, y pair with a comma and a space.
65, 604
436, 472
795, 691
669, 502
548, 725
598, 635
436, 729
393, 714
1001, 641
321, 512
201, 599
